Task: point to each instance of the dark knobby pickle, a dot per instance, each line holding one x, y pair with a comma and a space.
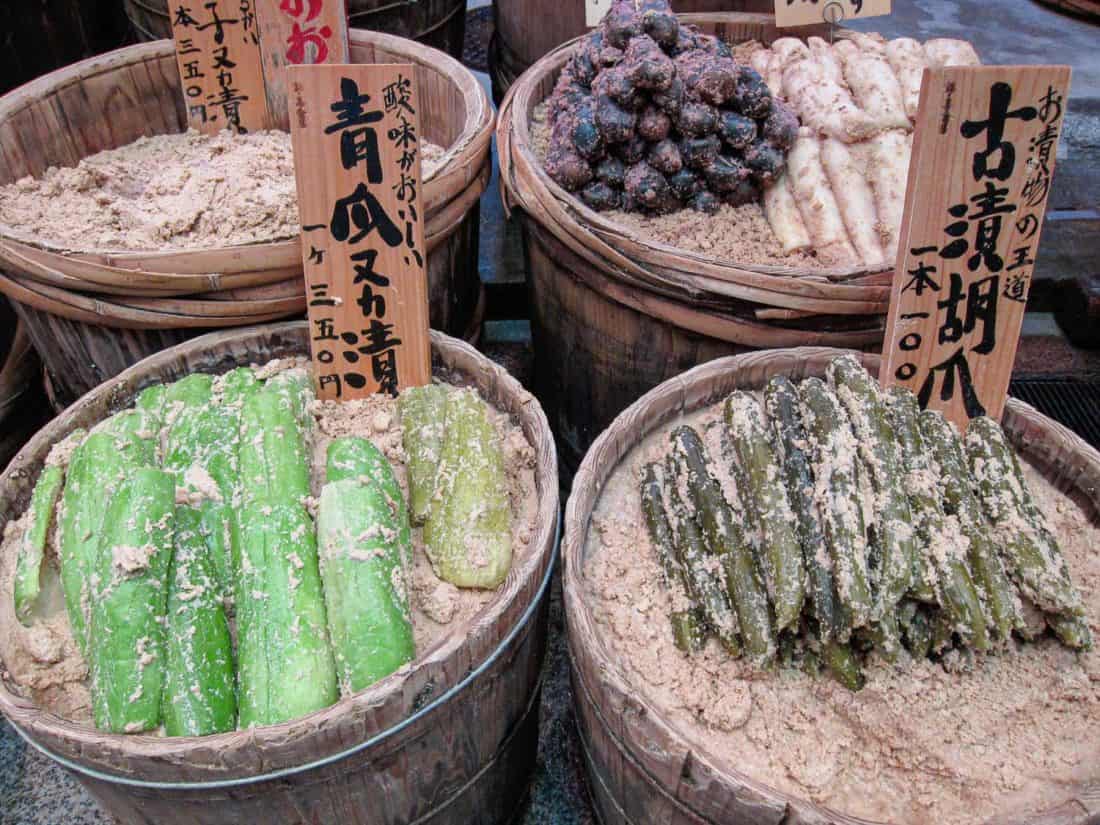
632, 151
653, 124
744, 192
699, 152
752, 97
611, 171
568, 169
616, 84
647, 186
725, 173
615, 123
662, 26
781, 127
601, 197
621, 23
764, 161
707, 77
671, 100
585, 135
695, 118
665, 157
736, 131
685, 184
705, 202
647, 66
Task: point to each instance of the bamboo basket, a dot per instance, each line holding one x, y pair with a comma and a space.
451, 740
440, 24
642, 769
523, 32
110, 101
615, 313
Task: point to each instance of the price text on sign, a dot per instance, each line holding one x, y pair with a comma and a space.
298, 32
356, 136
808, 12
218, 52
983, 160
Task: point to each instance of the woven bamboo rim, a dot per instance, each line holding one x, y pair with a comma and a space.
641, 262
244, 754
651, 738
149, 69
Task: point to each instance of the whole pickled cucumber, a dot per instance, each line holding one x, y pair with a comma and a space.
273, 462
32, 548
468, 536
955, 482
782, 405
727, 540
200, 685
358, 458
1030, 551
422, 412
705, 585
893, 536
766, 496
942, 539
126, 635
836, 489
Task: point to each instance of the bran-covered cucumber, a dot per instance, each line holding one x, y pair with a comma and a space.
468, 536
358, 458
273, 461
200, 687
126, 635
32, 548
725, 539
422, 412
766, 497
285, 664
366, 593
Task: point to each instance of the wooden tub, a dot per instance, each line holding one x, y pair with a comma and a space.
615, 313
642, 768
74, 302
452, 740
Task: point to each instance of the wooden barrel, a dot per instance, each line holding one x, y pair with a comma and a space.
642, 768
450, 741
440, 24
79, 300
524, 31
615, 313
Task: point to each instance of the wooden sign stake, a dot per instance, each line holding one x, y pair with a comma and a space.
808, 12
356, 136
983, 160
218, 54
298, 32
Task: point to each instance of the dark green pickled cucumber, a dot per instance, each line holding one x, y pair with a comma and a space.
32, 547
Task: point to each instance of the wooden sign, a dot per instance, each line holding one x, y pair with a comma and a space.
298, 32
808, 12
983, 159
356, 136
218, 53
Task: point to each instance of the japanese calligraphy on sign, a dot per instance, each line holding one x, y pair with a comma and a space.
218, 53
984, 154
356, 136
808, 12
298, 32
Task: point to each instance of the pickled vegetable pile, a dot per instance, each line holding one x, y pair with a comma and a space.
198, 586
651, 116
834, 521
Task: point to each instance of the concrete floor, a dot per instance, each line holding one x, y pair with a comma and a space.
34, 792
